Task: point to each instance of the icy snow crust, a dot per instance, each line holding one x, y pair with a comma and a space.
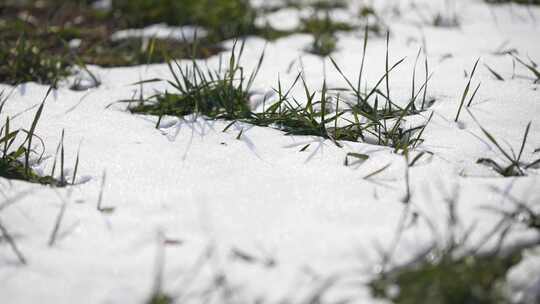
312, 216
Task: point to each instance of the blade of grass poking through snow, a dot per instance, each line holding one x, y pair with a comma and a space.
6, 236
8, 138
523, 142
530, 67
473, 95
158, 122
353, 88
256, 70
375, 88
418, 157
364, 48
150, 50
494, 141
76, 166
32, 130
387, 74
506, 171
413, 90
407, 197
62, 178
426, 68
304, 148
102, 189
360, 157
419, 139
466, 91
494, 73
239, 136
228, 126
60, 143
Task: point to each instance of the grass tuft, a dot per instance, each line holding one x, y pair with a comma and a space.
447, 280
225, 95
206, 92
26, 60
451, 271
15, 161
514, 167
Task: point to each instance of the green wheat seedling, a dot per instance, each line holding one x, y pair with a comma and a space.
60, 149
202, 91
224, 95
371, 18
466, 92
452, 270
313, 117
384, 121
323, 44
323, 30
24, 60
514, 166
317, 24
447, 18
15, 159
532, 67
494, 73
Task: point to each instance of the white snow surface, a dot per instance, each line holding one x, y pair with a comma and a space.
162, 31
315, 218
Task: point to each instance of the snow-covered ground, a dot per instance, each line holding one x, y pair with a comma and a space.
278, 223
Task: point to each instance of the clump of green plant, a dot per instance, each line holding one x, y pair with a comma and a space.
314, 116
448, 17
531, 66
327, 4
160, 298
317, 24
514, 167
134, 51
441, 20
25, 60
215, 94
323, 44
372, 20
223, 19
224, 95
451, 271
15, 161
383, 122
447, 280
323, 30
35, 38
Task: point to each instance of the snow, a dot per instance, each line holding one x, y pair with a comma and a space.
162, 31
314, 217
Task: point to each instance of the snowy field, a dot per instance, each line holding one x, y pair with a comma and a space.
252, 215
